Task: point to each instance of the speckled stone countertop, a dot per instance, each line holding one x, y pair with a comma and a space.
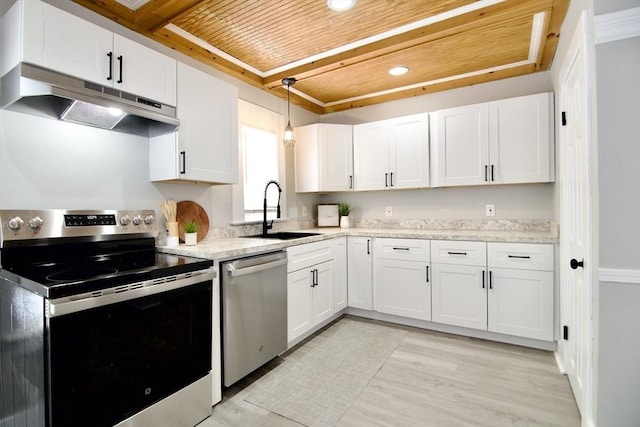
218, 246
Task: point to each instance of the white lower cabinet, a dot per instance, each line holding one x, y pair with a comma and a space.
402, 278
459, 297
310, 287
360, 272
509, 293
340, 291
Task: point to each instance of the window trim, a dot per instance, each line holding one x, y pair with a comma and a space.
257, 117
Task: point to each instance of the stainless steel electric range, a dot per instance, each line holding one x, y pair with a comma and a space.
97, 327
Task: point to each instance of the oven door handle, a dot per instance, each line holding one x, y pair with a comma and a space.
235, 272
75, 303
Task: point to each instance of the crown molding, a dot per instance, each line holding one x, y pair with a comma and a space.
617, 275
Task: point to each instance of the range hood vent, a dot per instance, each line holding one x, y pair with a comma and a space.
45, 93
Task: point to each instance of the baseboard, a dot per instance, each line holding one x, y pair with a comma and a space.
456, 330
559, 362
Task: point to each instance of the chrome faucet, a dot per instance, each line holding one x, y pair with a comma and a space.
266, 227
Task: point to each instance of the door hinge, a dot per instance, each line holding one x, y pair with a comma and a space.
565, 333
564, 118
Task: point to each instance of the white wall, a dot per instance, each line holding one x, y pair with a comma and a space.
618, 369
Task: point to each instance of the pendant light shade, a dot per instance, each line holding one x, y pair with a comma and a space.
289, 140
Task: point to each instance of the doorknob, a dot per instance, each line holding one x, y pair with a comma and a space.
574, 263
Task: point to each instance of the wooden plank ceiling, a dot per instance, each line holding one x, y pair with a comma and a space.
341, 59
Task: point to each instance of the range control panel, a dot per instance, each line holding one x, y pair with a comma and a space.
57, 223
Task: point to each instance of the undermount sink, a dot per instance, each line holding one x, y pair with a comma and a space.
284, 235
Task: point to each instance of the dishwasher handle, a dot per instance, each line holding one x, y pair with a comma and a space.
236, 272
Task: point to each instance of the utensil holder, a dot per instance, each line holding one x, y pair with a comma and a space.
172, 228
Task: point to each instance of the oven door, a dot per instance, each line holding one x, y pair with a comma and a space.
108, 362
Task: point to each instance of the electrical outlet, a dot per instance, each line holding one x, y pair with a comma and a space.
490, 210
388, 211
304, 211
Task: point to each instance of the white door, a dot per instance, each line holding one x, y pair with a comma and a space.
371, 156
409, 151
402, 288
520, 139
143, 71
460, 146
520, 303
459, 295
336, 157
576, 217
360, 272
322, 292
299, 308
340, 265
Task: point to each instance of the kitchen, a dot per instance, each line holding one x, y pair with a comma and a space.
45, 163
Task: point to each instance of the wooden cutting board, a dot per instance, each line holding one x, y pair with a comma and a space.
191, 211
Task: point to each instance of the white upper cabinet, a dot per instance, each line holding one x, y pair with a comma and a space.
392, 153
324, 158
205, 147
502, 142
40, 34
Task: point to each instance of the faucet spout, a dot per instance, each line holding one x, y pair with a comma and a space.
266, 226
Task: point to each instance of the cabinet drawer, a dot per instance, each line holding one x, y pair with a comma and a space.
523, 256
457, 252
304, 256
404, 249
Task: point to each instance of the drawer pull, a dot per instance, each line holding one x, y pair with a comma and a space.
427, 274
457, 253
520, 256
400, 249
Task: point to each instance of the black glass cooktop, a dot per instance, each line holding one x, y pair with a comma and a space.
56, 271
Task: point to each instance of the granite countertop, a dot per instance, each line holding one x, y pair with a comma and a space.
232, 247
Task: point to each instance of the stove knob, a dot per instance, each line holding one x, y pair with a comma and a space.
149, 220
137, 220
125, 220
35, 223
15, 223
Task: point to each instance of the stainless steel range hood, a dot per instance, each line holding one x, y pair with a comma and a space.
38, 91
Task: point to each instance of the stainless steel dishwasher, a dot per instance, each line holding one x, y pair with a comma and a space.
254, 313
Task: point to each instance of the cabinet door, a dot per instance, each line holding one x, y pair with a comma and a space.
409, 151
322, 292
460, 146
459, 295
62, 42
306, 158
143, 71
340, 265
521, 303
208, 132
299, 303
371, 156
336, 157
521, 136
360, 280
402, 288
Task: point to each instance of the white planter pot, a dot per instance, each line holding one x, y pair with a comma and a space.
344, 222
190, 239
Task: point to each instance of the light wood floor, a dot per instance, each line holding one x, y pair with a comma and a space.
436, 379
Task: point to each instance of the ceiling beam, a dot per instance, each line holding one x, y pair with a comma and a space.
438, 87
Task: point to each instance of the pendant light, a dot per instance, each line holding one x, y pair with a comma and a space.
288, 140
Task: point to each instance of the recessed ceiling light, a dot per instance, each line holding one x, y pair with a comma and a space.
398, 71
340, 5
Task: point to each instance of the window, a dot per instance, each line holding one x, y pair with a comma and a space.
261, 157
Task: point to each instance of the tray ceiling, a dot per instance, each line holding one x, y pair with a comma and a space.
341, 59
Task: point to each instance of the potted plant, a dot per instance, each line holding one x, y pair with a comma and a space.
190, 233
344, 210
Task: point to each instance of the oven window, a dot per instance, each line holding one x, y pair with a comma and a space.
110, 362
